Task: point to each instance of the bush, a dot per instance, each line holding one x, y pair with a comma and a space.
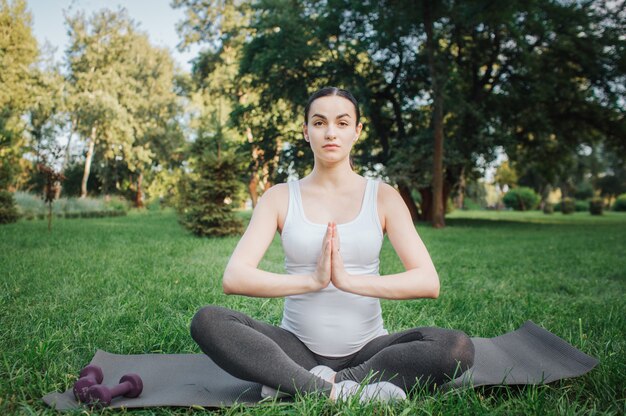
32, 206
116, 203
207, 198
568, 205
595, 206
521, 199
581, 206
8, 209
548, 208
584, 191
620, 203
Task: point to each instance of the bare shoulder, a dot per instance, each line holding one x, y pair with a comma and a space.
388, 196
276, 192
389, 203
277, 199
387, 191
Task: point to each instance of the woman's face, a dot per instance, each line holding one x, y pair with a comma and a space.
331, 128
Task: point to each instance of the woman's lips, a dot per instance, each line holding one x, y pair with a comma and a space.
331, 146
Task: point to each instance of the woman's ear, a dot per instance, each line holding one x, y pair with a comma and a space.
358, 131
305, 132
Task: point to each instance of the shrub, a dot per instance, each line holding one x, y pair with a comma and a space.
548, 208
521, 199
29, 205
116, 203
620, 203
568, 205
207, 198
8, 209
584, 191
595, 206
581, 206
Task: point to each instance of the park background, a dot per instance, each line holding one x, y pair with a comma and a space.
501, 125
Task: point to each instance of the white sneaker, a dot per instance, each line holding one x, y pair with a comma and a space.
267, 391
383, 391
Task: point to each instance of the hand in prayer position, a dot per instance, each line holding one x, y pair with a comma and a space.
330, 266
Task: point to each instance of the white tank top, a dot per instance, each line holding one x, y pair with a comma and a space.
331, 322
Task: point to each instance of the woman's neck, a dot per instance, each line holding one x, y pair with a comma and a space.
335, 176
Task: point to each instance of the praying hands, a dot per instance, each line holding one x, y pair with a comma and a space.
330, 266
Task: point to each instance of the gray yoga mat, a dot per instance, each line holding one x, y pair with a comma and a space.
529, 355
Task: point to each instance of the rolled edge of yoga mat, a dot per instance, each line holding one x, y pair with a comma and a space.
528, 355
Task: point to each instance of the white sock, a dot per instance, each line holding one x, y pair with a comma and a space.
324, 372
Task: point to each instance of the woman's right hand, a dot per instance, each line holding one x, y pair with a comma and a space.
322, 273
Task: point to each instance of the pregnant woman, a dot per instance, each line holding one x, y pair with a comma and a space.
332, 339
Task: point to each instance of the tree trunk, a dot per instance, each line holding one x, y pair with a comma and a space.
427, 204
438, 213
460, 198
405, 193
428, 201
92, 143
139, 194
253, 182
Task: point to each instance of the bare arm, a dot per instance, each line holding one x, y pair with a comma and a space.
242, 276
420, 280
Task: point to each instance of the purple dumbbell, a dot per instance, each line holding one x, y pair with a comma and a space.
130, 386
89, 376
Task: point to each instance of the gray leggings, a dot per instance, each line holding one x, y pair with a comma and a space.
256, 351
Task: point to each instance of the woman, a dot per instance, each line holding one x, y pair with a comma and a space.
332, 224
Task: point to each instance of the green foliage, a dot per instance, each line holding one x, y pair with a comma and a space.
548, 208
30, 206
584, 191
568, 205
521, 199
121, 96
18, 52
8, 209
116, 203
206, 206
506, 175
581, 206
596, 205
620, 203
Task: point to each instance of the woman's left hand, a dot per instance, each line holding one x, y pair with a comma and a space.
339, 277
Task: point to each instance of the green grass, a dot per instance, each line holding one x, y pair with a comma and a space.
131, 285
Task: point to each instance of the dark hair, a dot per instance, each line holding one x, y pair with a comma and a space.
331, 91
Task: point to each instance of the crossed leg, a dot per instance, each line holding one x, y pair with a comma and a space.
426, 355
260, 352
256, 351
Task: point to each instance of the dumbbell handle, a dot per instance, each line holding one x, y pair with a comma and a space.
121, 389
130, 386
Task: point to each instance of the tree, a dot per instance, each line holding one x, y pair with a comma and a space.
500, 75
122, 95
18, 53
209, 191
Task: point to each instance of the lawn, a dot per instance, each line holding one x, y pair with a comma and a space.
131, 285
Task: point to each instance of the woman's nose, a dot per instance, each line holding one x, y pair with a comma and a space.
330, 132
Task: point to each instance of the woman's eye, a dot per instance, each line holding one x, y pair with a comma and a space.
317, 123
